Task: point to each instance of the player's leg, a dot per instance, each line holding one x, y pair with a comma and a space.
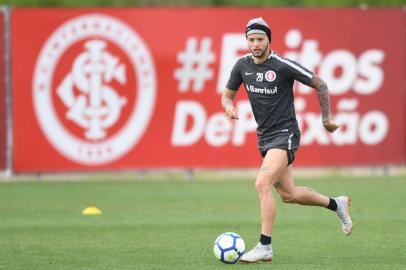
290, 193
272, 169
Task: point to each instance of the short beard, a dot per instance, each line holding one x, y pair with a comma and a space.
263, 52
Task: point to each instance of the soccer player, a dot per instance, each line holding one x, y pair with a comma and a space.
268, 79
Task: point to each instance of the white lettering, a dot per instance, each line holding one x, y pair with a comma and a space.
245, 124
264, 90
309, 58
370, 128
374, 127
371, 74
315, 130
345, 62
215, 129
347, 133
231, 45
181, 136
218, 130
339, 68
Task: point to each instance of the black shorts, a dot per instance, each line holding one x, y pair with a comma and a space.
288, 141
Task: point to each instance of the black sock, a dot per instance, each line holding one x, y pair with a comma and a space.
332, 205
265, 240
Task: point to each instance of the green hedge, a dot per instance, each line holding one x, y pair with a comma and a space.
260, 3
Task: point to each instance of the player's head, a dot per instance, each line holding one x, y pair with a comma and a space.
258, 26
258, 36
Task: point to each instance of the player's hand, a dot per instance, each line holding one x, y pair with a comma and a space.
231, 113
331, 125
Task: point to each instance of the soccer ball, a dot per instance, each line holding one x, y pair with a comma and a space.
229, 247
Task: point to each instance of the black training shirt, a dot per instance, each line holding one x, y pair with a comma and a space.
270, 90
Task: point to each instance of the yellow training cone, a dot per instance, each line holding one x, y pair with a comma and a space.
91, 211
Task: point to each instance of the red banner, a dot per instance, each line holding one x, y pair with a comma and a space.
3, 107
140, 88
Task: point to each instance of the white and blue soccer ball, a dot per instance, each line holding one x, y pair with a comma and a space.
229, 247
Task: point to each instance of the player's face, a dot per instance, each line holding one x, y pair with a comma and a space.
258, 44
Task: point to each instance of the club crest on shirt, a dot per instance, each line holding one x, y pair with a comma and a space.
270, 76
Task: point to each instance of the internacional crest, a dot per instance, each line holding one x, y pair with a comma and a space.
94, 89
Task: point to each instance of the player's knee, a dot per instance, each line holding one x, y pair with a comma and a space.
287, 197
262, 183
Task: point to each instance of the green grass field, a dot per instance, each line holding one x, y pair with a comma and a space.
172, 225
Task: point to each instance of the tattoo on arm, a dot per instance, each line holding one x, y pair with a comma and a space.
322, 96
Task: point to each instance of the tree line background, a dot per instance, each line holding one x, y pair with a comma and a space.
174, 3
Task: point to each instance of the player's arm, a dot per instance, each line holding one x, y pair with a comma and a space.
324, 101
227, 101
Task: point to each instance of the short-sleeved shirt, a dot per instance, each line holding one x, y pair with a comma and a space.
270, 90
